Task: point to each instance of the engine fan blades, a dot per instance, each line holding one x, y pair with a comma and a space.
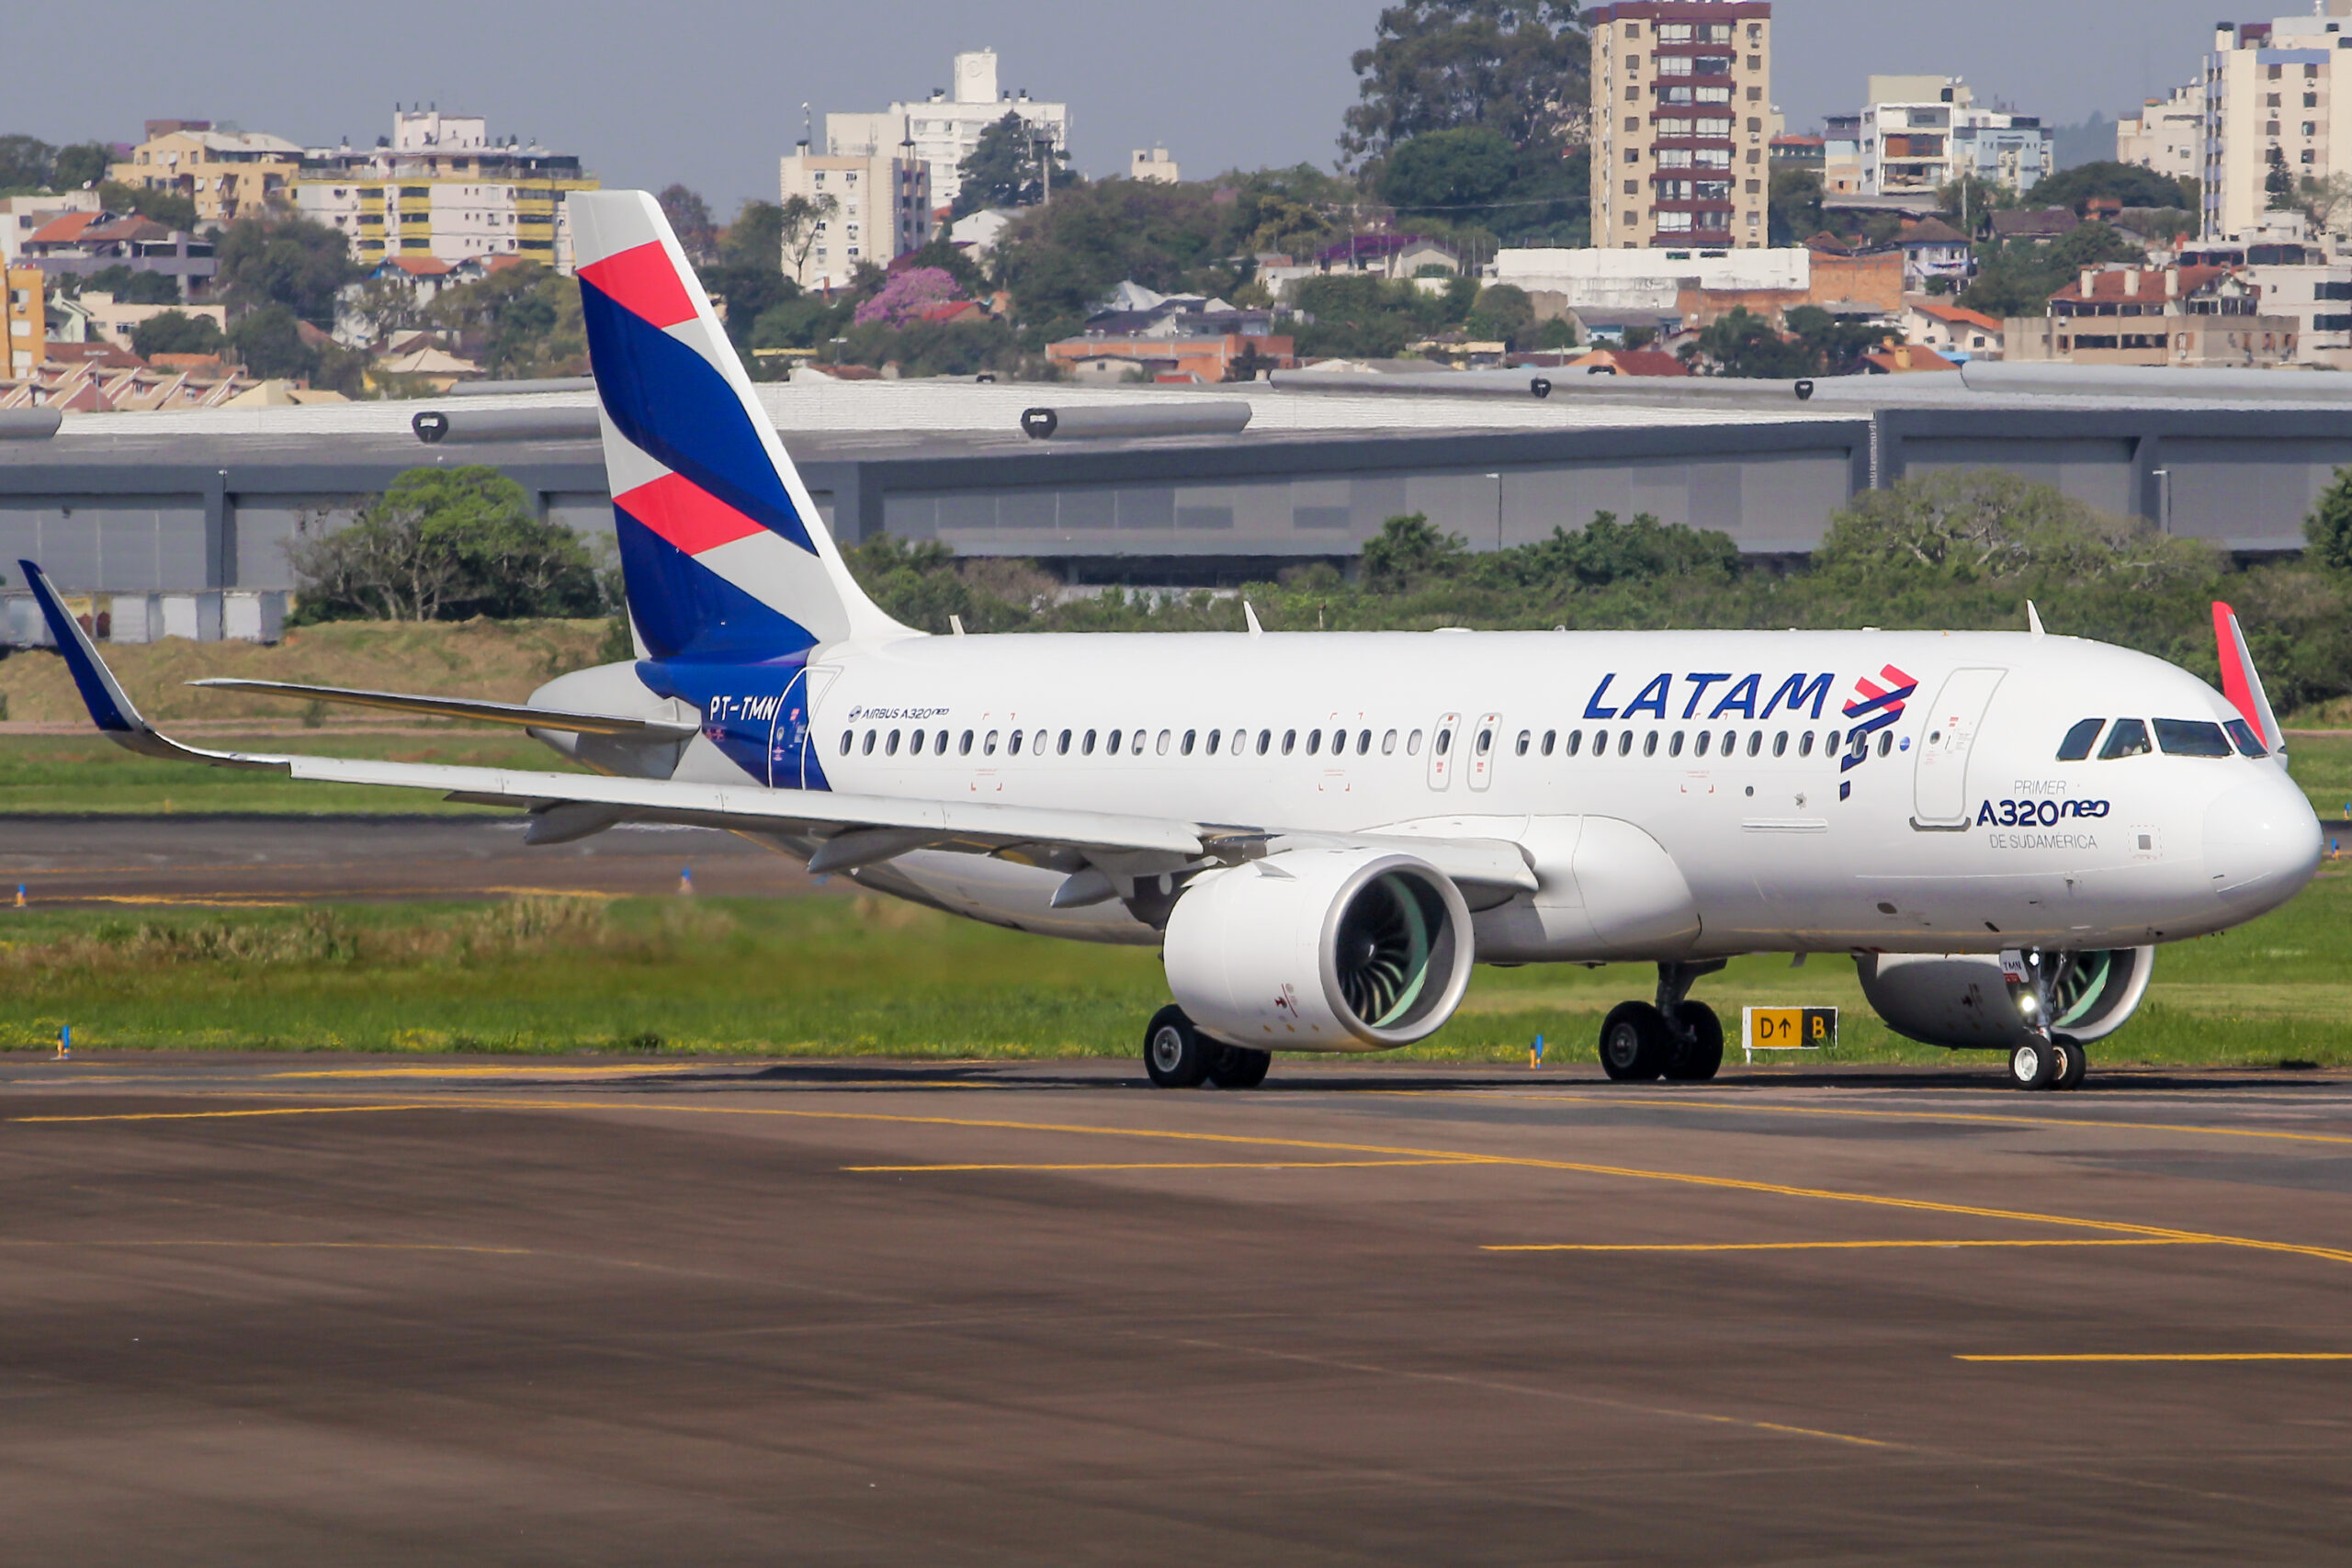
1384, 951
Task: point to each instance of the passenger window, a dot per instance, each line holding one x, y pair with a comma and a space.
1290, 741
867, 749
914, 744
1601, 743
1885, 741
1444, 741
1755, 743
1189, 737
1413, 744
987, 747
939, 744
1526, 739
1014, 747
1486, 742
964, 747
1111, 744
1314, 741
2248, 742
1674, 745
2192, 737
1363, 743
2080, 739
1804, 744
1551, 737
1649, 743
1164, 737
1700, 748
1086, 747
1780, 744
1829, 743
890, 747
2128, 738
1061, 748
1037, 744
1215, 736
1265, 739
1388, 744
1576, 741
848, 738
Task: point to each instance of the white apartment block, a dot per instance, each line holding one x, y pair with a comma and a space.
941, 131
882, 210
22, 216
2269, 89
1681, 120
2168, 135
440, 186
1919, 134
1154, 163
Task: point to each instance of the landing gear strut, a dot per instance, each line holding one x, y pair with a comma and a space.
2043, 986
1673, 1037
1177, 1055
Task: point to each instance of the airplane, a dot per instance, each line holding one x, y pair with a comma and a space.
1323, 832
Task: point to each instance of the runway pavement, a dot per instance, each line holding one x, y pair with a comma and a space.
262, 859
327, 1309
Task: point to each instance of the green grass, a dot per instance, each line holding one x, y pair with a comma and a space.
2323, 765
40, 774
866, 977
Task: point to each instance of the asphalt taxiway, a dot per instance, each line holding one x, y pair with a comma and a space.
334, 1309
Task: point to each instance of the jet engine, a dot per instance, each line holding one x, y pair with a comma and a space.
1962, 999
1320, 950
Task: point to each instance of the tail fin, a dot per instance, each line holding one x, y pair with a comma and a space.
723, 555
2241, 683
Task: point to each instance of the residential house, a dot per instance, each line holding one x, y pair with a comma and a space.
101, 378
1957, 334
978, 231
81, 243
1154, 165
1388, 255
2201, 316
1645, 362
1803, 152
1903, 359
2297, 278
1920, 134
441, 185
225, 172
21, 215
403, 285
1182, 336
115, 323
1933, 248
2039, 225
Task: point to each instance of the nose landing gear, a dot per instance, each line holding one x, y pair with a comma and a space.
1672, 1038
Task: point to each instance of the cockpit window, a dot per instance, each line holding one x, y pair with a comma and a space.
2080, 739
2128, 738
2248, 742
2192, 737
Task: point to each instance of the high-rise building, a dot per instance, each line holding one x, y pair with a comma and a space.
880, 209
943, 130
226, 173
2167, 135
1920, 134
2270, 121
24, 317
1681, 120
440, 186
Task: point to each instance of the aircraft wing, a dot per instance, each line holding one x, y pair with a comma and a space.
855, 830
466, 707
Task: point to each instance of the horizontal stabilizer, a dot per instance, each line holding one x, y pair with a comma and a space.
468, 707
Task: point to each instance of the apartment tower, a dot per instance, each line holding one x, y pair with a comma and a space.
1681, 122
2269, 115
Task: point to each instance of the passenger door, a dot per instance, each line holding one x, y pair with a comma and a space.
1940, 778
1486, 743
1441, 739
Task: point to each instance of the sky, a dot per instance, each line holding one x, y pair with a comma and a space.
709, 92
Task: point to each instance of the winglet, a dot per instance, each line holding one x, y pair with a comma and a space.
2239, 683
111, 708
1250, 616
2032, 619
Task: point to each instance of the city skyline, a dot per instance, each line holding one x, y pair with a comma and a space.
714, 103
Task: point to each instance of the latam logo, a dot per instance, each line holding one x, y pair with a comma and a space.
1874, 704
1744, 695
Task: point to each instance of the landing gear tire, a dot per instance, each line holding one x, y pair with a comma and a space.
1635, 1043
1238, 1066
2074, 1062
1700, 1052
1174, 1052
2035, 1065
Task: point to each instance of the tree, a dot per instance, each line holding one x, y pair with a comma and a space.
1408, 552
1795, 206
757, 237
1473, 176
1837, 346
384, 306
1745, 345
1059, 261
520, 322
2328, 529
175, 331
1447, 171
1007, 167
1515, 67
291, 262
1957, 528
690, 219
2129, 184
2323, 201
2019, 278
1503, 311
84, 164
447, 544
168, 208
269, 343
130, 288
27, 164
905, 294
798, 221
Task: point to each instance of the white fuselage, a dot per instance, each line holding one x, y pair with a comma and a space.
1959, 831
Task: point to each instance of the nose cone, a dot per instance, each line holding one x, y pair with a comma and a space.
2262, 843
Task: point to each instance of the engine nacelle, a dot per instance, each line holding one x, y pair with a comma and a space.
1320, 950
1961, 999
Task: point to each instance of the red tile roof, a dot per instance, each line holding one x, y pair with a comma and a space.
65, 229
1899, 361
132, 228
2139, 285
422, 267
1956, 315
1632, 361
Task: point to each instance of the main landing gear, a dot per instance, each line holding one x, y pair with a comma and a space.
1672, 1038
1179, 1056
2057, 1062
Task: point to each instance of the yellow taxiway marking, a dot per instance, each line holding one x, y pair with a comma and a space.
1991, 1118
2209, 1356
295, 1246
1846, 1245
617, 1070
1198, 1164
1243, 1140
